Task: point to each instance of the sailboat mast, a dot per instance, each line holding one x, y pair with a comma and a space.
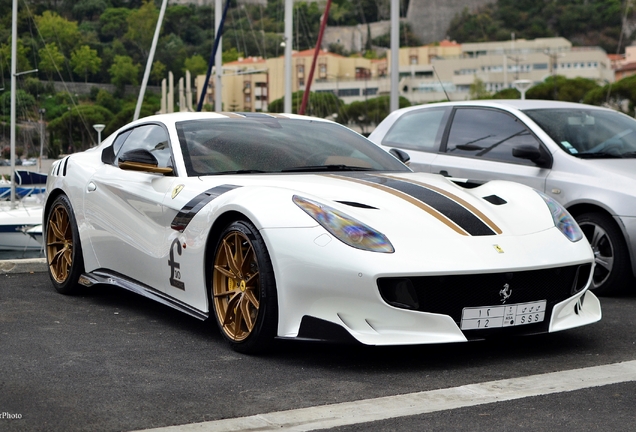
151, 57
14, 70
323, 24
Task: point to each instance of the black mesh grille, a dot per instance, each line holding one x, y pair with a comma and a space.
448, 295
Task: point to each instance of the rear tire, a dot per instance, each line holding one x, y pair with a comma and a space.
63, 248
612, 269
243, 289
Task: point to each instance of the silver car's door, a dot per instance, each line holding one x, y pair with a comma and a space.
478, 144
124, 209
419, 133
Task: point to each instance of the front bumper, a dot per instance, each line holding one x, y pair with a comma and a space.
320, 277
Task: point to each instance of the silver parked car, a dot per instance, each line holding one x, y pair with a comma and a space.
583, 156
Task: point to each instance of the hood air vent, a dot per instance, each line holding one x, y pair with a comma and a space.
357, 204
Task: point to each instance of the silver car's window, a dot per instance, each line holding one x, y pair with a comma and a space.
488, 134
270, 145
589, 133
151, 137
417, 130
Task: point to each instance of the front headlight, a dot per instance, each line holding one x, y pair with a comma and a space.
562, 219
345, 228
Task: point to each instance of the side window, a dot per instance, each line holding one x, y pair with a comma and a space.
418, 130
152, 138
488, 134
108, 154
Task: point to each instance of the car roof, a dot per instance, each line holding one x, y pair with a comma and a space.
509, 104
173, 118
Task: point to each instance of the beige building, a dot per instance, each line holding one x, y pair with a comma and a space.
499, 64
427, 73
249, 84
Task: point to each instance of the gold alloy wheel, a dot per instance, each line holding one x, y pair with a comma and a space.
59, 244
235, 286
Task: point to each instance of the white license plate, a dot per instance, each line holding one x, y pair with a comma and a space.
486, 317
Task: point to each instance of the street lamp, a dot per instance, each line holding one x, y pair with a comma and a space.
522, 85
99, 128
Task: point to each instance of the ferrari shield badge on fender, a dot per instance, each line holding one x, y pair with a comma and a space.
498, 248
176, 190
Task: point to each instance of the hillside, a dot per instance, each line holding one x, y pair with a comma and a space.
584, 23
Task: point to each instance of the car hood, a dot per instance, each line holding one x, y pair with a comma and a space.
418, 202
616, 167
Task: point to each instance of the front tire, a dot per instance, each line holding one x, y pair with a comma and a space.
243, 289
612, 269
63, 248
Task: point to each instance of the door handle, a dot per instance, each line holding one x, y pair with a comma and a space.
445, 173
91, 187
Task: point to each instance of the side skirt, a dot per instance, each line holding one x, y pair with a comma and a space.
105, 277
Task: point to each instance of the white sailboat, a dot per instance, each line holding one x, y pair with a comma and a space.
17, 217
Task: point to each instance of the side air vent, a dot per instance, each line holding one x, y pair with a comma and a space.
494, 199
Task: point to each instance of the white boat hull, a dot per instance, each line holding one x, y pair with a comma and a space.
13, 226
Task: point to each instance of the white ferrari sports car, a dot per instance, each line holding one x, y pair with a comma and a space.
291, 227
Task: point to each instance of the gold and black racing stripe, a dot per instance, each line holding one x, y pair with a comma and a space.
188, 211
448, 208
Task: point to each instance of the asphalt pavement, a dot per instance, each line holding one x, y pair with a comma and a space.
109, 360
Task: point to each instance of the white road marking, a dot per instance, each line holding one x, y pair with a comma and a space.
368, 410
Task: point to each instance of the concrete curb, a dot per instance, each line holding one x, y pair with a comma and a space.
27, 265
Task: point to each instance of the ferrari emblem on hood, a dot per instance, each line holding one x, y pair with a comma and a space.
176, 190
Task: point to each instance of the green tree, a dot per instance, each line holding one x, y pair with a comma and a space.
108, 101
562, 89
23, 56
509, 93
74, 127
88, 9
230, 55
158, 72
113, 23
85, 61
25, 104
51, 59
478, 90
196, 65
123, 72
614, 94
55, 29
141, 27
319, 105
372, 111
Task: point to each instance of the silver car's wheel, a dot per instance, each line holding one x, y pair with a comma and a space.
610, 253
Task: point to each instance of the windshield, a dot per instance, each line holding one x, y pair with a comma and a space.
267, 145
589, 133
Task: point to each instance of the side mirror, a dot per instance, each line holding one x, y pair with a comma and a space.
533, 154
142, 160
401, 155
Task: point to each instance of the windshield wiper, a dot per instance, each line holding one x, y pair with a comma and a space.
247, 171
327, 168
598, 155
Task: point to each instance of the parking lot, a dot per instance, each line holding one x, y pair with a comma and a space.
109, 360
